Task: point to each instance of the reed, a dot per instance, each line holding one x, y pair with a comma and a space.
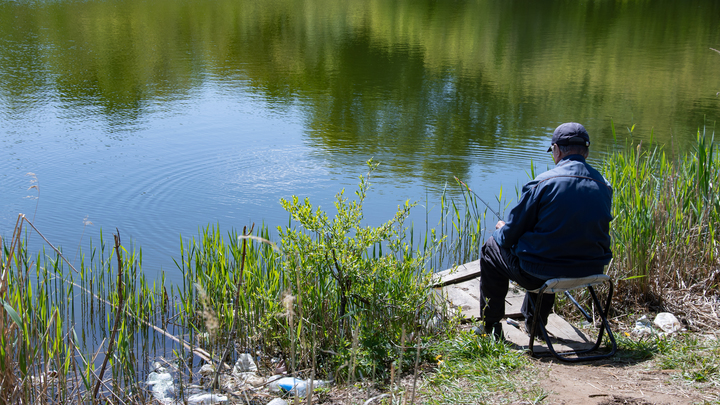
44, 358
666, 218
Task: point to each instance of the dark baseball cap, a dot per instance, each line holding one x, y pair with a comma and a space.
570, 133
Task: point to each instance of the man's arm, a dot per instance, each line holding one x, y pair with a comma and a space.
522, 218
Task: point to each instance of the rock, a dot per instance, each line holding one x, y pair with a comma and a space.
667, 322
277, 401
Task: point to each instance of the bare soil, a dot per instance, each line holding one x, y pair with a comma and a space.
599, 383
614, 383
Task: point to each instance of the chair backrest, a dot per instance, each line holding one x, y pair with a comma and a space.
566, 284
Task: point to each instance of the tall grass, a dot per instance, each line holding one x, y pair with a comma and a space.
460, 232
666, 217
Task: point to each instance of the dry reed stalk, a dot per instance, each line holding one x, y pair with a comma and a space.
312, 372
392, 378
118, 315
355, 341
403, 338
694, 306
236, 305
300, 312
198, 351
417, 368
48, 242
288, 303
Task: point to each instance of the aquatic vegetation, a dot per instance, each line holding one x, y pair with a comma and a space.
45, 355
336, 297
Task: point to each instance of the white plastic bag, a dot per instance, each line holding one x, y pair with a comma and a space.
667, 322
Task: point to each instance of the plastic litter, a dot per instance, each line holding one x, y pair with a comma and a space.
207, 370
294, 386
206, 399
643, 326
162, 386
273, 386
277, 401
245, 364
667, 322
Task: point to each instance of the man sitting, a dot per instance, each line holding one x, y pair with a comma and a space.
559, 228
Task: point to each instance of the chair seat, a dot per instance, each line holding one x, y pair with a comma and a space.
567, 284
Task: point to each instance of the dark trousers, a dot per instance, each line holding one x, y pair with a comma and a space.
498, 266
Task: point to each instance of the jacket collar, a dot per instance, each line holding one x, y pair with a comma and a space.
568, 158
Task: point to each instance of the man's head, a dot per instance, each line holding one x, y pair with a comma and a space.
569, 138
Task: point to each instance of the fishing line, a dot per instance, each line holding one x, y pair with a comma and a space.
480, 198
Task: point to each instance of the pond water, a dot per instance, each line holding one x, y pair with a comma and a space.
160, 117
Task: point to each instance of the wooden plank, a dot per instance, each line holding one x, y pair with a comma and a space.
565, 337
458, 274
513, 303
461, 288
466, 296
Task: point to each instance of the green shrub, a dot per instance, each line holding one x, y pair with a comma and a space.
355, 287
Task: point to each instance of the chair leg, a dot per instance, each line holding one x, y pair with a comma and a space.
604, 327
536, 315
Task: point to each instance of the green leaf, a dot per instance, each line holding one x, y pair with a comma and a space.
633, 277
14, 315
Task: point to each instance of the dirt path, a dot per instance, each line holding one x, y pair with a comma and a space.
612, 383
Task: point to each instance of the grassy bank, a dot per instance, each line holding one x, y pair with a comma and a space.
333, 298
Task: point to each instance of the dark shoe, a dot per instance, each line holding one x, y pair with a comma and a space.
495, 330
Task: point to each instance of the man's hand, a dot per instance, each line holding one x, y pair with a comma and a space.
500, 224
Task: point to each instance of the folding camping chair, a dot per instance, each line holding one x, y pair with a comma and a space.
565, 285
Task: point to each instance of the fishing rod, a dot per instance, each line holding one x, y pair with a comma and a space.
497, 214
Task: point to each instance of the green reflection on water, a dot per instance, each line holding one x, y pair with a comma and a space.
412, 79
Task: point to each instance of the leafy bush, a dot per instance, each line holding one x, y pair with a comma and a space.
356, 288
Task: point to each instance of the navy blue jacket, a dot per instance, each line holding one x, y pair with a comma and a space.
561, 225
